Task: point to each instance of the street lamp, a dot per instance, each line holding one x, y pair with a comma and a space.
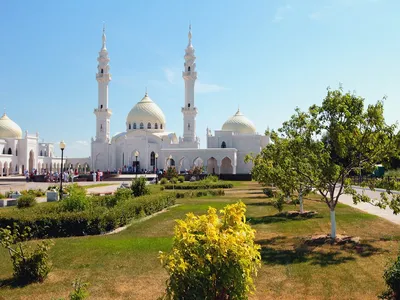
170, 166
62, 147
136, 155
156, 156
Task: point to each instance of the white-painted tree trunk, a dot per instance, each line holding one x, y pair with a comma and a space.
301, 203
333, 224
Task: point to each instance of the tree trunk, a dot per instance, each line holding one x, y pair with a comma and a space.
301, 202
333, 224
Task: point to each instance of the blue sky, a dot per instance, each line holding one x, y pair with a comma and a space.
266, 56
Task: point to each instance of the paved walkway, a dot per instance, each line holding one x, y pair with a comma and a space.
369, 208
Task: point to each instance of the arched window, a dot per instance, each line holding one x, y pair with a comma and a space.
101, 106
134, 125
141, 126
152, 159
9, 151
223, 145
160, 126
4, 150
156, 126
45, 153
189, 126
41, 153
16, 152
102, 71
149, 125
129, 126
188, 69
188, 104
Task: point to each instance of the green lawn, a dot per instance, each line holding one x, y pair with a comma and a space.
125, 265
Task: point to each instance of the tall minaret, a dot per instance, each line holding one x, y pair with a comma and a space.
189, 110
103, 77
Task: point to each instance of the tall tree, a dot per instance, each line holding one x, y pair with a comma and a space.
340, 137
274, 165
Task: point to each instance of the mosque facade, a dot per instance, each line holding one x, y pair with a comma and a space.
146, 143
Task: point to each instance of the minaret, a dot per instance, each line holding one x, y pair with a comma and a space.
103, 77
189, 110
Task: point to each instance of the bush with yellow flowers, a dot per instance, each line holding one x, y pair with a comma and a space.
213, 256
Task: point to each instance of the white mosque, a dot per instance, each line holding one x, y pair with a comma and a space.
146, 144
20, 152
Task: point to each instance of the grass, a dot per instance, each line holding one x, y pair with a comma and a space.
125, 265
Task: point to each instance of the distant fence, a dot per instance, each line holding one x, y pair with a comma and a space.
357, 180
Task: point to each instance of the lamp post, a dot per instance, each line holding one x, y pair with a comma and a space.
136, 155
170, 166
156, 156
62, 147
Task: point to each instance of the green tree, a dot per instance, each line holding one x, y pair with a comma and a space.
274, 165
340, 137
139, 187
213, 257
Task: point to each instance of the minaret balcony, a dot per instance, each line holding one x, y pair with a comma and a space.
189, 110
103, 110
189, 75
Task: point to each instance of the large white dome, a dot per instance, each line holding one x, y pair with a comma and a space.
9, 129
146, 112
238, 123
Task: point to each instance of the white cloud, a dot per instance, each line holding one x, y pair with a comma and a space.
208, 88
281, 13
169, 75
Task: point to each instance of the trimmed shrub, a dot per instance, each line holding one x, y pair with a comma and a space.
76, 200
163, 181
36, 193
139, 187
213, 256
181, 179
2, 196
51, 221
28, 265
26, 201
199, 185
268, 192
210, 178
173, 180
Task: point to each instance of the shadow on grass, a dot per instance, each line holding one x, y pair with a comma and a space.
280, 217
274, 256
11, 283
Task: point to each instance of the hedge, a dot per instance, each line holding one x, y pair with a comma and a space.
198, 186
50, 222
199, 193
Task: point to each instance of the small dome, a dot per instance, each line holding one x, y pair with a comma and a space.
146, 111
9, 129
239, 124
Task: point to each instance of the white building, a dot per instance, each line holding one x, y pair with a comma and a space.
146, 133
20, 153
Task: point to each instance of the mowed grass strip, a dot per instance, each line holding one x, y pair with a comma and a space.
125, 265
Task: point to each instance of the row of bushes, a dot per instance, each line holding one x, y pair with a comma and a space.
53, 222
199, 186
200, 193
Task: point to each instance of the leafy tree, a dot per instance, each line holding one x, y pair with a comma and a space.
139, 187
213, 257
340, 137
274, 165
76, 199
28, 265
171, 173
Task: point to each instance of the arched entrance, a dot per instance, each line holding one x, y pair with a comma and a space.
226, 166
183, 165
153, 160
31, 164
212, 166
